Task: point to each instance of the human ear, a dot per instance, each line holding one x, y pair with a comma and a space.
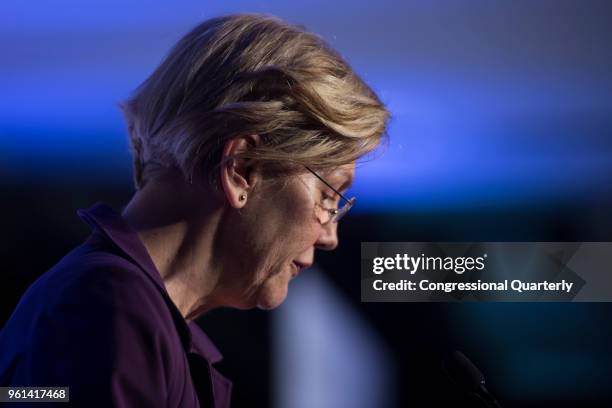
238, 175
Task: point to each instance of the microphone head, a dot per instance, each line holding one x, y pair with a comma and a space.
463, 372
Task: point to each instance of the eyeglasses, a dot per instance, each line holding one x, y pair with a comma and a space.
333, 214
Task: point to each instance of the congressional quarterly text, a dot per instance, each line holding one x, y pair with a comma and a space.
516, 285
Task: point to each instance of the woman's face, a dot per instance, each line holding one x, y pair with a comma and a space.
275, 234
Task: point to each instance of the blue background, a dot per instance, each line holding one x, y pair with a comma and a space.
501, 130
494, 103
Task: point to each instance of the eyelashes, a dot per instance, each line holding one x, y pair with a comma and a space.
329, 200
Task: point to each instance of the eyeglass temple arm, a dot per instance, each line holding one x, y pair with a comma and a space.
326, 183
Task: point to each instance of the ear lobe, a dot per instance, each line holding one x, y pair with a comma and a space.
238, 176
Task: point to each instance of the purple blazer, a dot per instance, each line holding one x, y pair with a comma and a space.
102, 323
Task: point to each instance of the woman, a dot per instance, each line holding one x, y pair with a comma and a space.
244, 140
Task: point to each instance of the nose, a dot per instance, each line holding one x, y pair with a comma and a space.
328, 237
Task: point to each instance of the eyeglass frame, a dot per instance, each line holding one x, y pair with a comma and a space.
334, 217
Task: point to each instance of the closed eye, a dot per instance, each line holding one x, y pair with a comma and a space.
328, 203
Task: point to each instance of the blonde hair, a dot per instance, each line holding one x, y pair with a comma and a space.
237, 75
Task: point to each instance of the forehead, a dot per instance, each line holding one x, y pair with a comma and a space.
341, 177
346, 171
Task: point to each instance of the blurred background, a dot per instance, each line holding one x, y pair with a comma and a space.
501, 131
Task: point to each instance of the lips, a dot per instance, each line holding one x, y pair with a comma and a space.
299, 266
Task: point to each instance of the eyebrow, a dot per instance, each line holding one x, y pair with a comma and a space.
348, 183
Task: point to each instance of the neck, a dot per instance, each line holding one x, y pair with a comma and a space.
180, 242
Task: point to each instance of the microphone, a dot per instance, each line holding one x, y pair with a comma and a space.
469, 378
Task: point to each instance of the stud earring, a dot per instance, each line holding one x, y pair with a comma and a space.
242, 197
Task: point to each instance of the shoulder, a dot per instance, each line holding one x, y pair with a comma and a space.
90, 277
90, 292
97, 323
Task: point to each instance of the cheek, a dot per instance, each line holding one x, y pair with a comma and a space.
296, 225
292, 238
300, 232
281, 227
282, 215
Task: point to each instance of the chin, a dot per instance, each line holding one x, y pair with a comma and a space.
270, 298
271, 302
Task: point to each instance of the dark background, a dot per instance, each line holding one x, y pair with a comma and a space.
503, 339
501, 132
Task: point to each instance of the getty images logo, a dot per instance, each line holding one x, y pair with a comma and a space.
412, 264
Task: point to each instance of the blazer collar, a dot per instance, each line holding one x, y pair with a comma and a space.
104, 219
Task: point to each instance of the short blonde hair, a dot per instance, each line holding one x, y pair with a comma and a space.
247, 74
